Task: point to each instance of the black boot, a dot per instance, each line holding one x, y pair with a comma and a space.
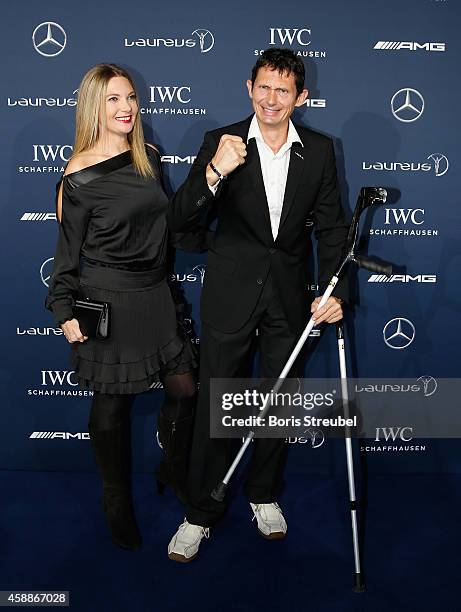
175, 438
112, 450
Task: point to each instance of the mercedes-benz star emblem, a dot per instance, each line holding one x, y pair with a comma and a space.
407, 105
49, 39
399, 333
46, 270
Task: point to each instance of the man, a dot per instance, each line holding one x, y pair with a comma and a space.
266, 177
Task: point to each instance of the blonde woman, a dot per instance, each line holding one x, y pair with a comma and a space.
112, 248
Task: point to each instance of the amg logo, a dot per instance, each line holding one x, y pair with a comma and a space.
63, 435
176, 159
38, 216
386, 45
403, 278
156, 385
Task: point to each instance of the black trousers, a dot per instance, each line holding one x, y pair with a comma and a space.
227, 355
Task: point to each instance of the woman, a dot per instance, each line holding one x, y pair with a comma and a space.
112, 248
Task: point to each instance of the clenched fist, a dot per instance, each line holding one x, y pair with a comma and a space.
231, 152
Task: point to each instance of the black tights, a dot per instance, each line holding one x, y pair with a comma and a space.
111, 411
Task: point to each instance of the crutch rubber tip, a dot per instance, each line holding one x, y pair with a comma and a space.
359, 586
219, 492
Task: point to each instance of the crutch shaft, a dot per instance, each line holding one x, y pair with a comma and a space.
299, 345
219, 492
239, 455
358, 583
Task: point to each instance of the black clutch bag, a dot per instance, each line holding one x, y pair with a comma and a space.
93, 318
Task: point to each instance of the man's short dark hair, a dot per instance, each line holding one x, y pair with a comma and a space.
283, 60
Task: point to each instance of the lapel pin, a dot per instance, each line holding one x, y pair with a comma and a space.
299, 155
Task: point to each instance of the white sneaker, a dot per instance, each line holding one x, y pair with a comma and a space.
185, 543
271, 522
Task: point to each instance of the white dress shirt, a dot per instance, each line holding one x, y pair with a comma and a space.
274, 168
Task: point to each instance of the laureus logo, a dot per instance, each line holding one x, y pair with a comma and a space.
201, 270
316, 436
203, 38
437, 163
441, 163
206, 39
429, 385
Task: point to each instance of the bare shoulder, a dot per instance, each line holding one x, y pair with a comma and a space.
83, 160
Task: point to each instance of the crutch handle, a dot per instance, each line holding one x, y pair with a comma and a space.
378, 267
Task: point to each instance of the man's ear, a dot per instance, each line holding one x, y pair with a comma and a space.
250, 88
302, 98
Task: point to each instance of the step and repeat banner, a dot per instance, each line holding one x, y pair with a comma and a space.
383, 82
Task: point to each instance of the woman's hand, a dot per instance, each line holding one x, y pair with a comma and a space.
72, 331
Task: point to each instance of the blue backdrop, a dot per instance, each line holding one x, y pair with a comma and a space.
382, 82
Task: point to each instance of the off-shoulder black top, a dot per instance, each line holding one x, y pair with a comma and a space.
112, 217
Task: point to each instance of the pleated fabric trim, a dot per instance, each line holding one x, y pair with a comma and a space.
176, 357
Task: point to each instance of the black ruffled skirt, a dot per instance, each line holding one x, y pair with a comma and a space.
144, 340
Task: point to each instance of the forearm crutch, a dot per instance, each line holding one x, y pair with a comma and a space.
369, 196
359, 586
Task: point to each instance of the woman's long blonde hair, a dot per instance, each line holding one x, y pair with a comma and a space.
91, 104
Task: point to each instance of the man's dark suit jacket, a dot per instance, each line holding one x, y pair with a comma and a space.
242, 250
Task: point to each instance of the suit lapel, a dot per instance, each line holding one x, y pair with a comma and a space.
295, 172
253, 166
252, 172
